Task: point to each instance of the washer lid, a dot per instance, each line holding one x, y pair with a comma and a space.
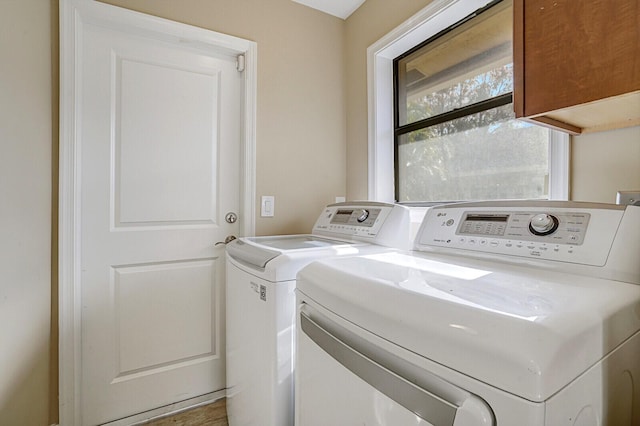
294, 242
258, 251
524, 330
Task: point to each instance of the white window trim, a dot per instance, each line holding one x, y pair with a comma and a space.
434, 18
559, 160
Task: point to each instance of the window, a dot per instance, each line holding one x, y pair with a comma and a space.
448, 132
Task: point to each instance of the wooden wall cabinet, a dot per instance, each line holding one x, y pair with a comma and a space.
577, 63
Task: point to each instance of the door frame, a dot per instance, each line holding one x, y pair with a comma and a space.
73, 14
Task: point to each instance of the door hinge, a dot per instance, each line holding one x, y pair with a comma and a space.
240, 63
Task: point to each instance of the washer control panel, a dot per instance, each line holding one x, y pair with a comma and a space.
355, 216
352, 220
379, 223
562, 231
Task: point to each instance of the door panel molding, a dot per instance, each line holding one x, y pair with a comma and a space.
165, 199
74, 16
183, 318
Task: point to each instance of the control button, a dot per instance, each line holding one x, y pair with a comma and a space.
472, 241
462, 240
494, 244
449, 222
483, 242
363, 215
543, 224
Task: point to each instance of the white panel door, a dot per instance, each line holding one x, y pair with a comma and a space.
159, 125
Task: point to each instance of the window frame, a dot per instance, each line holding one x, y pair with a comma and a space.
438, 16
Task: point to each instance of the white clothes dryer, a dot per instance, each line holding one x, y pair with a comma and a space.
506, 313
260, 301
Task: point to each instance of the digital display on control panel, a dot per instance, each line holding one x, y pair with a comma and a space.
342, 216
484, 224
355, 217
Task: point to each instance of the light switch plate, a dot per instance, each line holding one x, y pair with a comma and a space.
628, 197
267, 206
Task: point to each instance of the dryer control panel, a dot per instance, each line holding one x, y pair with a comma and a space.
557, 227
580, 233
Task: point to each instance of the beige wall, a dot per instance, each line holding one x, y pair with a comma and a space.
301, 123
25, 210
602, 163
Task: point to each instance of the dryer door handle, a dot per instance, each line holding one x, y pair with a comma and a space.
428, 396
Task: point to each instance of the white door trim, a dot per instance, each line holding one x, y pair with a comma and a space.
73, 14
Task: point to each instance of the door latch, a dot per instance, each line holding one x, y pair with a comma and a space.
226, 240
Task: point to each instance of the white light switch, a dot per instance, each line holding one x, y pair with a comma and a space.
267, 206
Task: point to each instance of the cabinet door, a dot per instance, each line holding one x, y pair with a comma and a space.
572, 52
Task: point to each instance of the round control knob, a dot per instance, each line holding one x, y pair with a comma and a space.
363, 215
543, 224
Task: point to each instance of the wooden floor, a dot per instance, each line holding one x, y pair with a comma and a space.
214, 414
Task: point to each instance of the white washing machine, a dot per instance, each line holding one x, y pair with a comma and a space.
260, 301
521, 313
